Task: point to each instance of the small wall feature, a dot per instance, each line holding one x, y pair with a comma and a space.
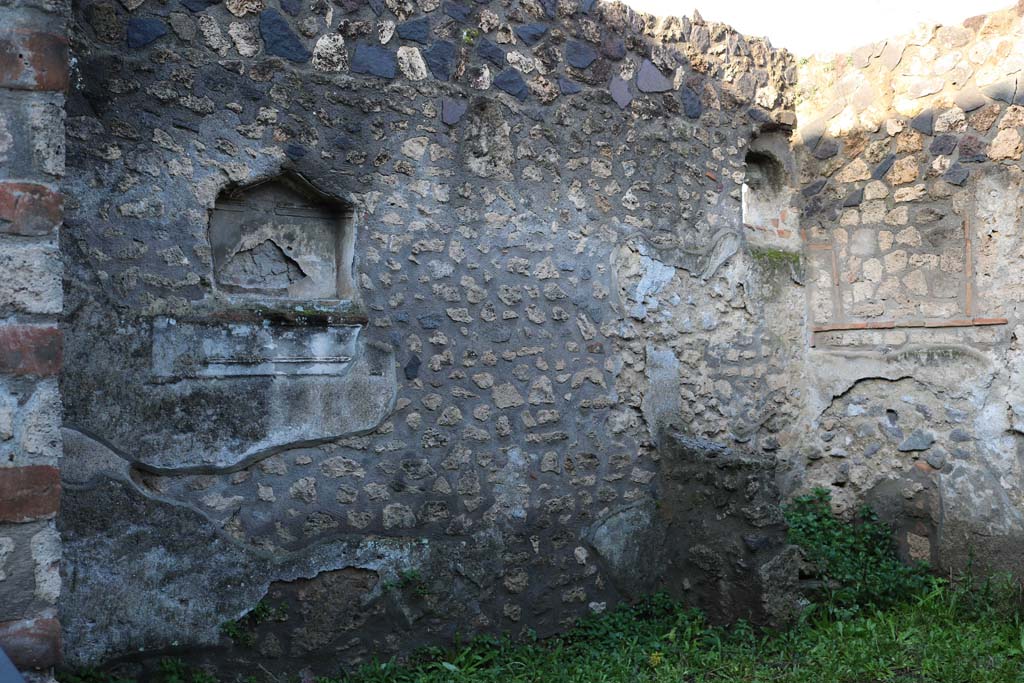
282, 237
768, 191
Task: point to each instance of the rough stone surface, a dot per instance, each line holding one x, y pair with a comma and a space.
505, 282
535, 330
650, 79
279, 39
375, 61
143, 31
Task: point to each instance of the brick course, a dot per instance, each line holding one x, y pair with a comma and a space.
29, 209
29, 493
35, 350
32, 643
33, 60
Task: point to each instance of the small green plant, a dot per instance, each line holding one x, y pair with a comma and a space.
264, 612
855, 561
174, 670
238, 633
411, 580
470, 36
242, 631
774, 258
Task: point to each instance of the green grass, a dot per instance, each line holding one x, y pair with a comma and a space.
874, 620
940, 636
946, 635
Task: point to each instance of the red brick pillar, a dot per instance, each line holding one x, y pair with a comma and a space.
33, 78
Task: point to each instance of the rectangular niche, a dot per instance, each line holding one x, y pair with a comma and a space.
282, 238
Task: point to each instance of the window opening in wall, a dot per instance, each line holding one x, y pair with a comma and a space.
282, 238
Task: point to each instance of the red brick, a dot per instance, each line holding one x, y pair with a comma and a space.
31, 350
959, 322
28, 493
989, 321
29, 209
849, 327
32, 643
33, 60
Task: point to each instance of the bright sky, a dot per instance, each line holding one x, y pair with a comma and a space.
809, 27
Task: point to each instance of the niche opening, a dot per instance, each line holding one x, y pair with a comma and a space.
282, 238
767, 194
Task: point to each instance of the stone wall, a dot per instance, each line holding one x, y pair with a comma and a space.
33, 78
910, 172
388, 321
377, 312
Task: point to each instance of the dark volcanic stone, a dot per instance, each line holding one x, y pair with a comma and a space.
580, 55
1003, 91
292, 7
854, 198
568, 87
279, 39
919, 440
758, 114
412, 368
452, 110
491, 52
883, 167
440, 58
143, 31
814, 188
373, 60
960, 436
956, 174
972, 149
692, 106
417, 30
620, 92
457, 12
826, 148
936, 458
923, 122
197, 5
511, 82
531, 33
613, 48
295, 152
500, 335
944, 144
650, 79
430, 321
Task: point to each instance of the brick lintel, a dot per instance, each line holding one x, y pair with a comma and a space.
905, 324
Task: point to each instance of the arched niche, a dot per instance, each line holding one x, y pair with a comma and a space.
282, 238
770, 217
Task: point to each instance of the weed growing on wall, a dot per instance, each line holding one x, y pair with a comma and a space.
856, 561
